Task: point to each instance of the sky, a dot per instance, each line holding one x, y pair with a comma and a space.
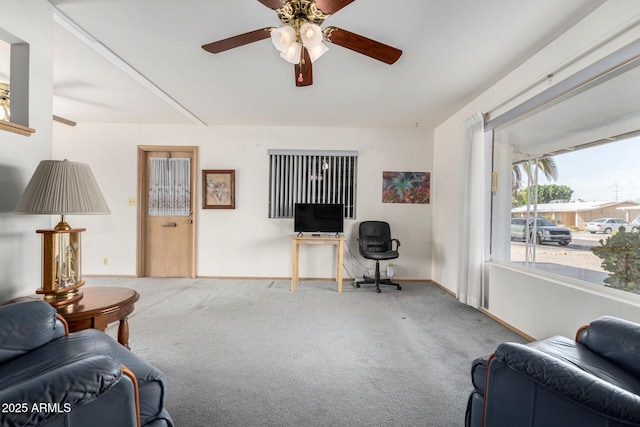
607, 172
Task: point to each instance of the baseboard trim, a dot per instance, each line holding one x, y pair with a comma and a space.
318, 279
447, 290
309, 279
111, 276
507, 325
489, 315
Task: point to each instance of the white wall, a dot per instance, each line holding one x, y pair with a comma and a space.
520, 307
244, 242
555, 305
19, 243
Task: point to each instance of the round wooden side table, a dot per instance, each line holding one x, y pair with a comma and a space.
99, 307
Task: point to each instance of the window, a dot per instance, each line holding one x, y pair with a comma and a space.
5, 61
311, 176
169, 186
590, 134
14, 84
605, 197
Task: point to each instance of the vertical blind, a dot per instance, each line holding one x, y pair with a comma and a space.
169, 186
311, 176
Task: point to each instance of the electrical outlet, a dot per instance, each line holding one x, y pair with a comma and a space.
131, 201
105, 261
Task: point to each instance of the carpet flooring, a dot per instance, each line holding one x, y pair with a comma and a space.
252, 353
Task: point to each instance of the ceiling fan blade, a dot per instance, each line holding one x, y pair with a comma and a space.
239, 40
331, 6
272, 4
304, 71
363, 45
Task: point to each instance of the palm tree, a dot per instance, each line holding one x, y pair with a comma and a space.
546, 165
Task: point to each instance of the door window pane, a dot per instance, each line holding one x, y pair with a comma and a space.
169, 186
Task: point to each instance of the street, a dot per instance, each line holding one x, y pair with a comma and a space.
580, 241
576, 254
583, 240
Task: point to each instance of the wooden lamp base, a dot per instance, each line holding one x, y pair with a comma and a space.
61, 265
62, 297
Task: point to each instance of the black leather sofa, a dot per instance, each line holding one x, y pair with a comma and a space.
592, 381
54, 378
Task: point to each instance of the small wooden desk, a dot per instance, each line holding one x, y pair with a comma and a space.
296, 241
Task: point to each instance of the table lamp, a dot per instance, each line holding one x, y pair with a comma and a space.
61, 187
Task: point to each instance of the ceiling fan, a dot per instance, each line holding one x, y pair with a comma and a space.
300, 38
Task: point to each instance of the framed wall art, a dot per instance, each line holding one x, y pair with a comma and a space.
406, 187
218, 189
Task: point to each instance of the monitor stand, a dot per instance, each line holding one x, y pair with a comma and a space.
301, 234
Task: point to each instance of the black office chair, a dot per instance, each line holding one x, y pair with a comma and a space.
375, 243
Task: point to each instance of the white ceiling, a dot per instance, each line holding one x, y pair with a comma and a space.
453, 50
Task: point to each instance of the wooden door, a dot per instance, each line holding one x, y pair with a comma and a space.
166, 220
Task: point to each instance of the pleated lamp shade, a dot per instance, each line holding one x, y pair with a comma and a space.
61, 187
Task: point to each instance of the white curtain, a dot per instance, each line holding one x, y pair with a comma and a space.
169, 186
472, 214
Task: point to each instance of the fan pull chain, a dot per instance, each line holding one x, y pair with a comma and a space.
300, 78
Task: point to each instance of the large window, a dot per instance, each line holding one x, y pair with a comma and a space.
577, 235
311, 177
573, 161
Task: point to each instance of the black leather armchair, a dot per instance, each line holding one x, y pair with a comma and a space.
593, 381
86, 378
375, 243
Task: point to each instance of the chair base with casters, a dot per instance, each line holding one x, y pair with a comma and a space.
377, 280
375, 243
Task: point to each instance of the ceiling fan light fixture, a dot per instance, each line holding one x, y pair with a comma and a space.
283, 37
310, 35
292, 53
300, 39
317, 51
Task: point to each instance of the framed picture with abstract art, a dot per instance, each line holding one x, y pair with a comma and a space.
406, 187
218, 189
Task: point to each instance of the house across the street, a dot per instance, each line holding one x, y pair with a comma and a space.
577, 214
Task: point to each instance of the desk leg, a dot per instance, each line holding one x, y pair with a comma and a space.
294, 264
340, 256
123, 333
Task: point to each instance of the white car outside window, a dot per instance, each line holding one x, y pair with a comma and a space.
607, 225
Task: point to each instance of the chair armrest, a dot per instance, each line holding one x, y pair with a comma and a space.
397, 242
25, 326
63, 324
65, 386
614, 339
479, 373
567, 381
127, 372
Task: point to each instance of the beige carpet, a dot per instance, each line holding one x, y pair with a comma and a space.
251, 353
